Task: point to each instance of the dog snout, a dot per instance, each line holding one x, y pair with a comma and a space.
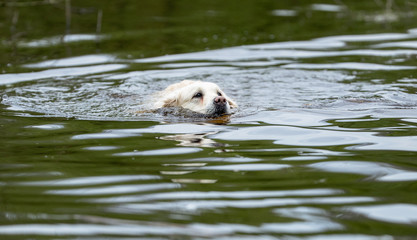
220, 100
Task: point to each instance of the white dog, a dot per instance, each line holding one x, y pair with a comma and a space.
198, 96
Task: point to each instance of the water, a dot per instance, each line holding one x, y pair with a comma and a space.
323, 145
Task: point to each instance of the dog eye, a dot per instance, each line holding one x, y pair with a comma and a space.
198, 95
219, 93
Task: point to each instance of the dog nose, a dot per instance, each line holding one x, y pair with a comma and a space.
220, 100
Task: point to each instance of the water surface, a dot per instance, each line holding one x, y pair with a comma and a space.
323, 145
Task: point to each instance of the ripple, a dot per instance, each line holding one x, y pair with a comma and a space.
101, 148
327, 7
120, 189
165, 128
304, 158
376, 37
296, 136
349, 66
245, 54
400, 176
411, 120
312, 44
12, 78
197, 205
47, 126
74, 61
219, 194
301, 227
302, 152
378, 171
60, 40
161, 152
284, 13
104, 135
222, 159
291, 117
179, 74
390, 143
393, 213
365, 168
94, 229
83, 181
247, 167
193, 181
145, 229
402, 44
347, 237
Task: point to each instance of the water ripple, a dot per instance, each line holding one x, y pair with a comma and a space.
12, 78
246, 167
315, 117
198, 205
83, 181
115, 189
296, 136
378, 171
161, 152
349, 65
394, 213
217, 194
74, 61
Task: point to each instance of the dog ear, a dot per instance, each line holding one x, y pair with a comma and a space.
170, 102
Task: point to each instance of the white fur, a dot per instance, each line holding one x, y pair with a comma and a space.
183, 94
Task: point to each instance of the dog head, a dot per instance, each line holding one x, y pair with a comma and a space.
198, 96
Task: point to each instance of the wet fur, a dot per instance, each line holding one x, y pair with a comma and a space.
185, 94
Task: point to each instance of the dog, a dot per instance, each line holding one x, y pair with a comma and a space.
198, 96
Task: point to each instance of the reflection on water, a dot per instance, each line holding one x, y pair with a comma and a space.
57, 73
60, 40
323, 145
395, 213
73, 61
194, 140
381, 172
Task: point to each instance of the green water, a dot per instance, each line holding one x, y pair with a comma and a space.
323, 145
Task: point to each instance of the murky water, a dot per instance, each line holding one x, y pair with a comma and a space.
323, 145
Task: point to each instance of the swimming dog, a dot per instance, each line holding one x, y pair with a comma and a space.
198, 96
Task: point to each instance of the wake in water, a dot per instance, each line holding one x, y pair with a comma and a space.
254, 90
259, 77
